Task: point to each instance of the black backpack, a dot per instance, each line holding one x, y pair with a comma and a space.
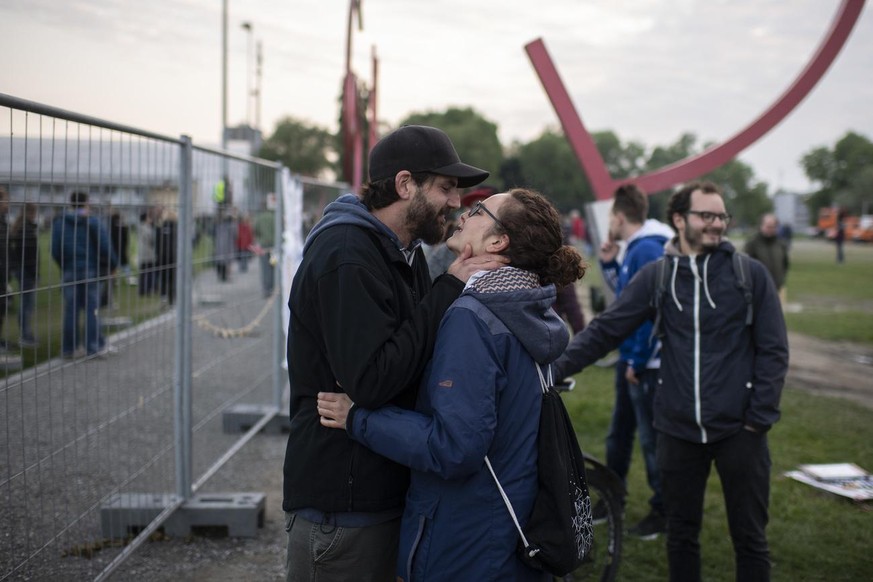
560, 531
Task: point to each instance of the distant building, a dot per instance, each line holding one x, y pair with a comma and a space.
244, 139
790, 208
127, 171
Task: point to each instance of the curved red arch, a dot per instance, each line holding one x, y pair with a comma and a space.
592, 163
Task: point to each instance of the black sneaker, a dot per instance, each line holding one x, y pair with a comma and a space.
650, 526
599, 513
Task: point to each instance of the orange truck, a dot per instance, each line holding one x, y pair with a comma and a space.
858, 228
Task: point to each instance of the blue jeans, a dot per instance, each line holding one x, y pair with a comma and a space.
81, 293
633, 412
27, 284
743, 464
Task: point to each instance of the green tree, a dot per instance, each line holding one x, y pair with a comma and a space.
303, 147
845, 174
474, 137
745, 197
661, 156
621, 160
548, 165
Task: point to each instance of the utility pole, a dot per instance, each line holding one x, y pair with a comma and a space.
224, 76
260, 61
247, 26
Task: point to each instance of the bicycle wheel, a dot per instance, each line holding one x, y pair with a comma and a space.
606, 491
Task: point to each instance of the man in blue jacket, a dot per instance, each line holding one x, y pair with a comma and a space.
719, 384
364, 318
82, 249
639, 355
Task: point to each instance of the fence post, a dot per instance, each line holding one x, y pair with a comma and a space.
278, 240
184, 269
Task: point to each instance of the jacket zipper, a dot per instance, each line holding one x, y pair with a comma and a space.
692, 260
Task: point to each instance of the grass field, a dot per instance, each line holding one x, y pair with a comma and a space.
829, 300
813, 535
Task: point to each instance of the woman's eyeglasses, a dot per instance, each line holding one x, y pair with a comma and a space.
479, 207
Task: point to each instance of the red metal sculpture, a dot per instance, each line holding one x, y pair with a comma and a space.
592, 163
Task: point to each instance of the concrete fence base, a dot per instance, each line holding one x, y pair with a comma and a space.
239, 514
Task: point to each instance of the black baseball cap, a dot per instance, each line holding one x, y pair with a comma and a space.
418, 148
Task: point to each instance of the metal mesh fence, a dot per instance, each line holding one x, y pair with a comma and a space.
129, 323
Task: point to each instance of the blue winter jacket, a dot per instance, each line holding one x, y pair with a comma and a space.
81, 245
481, 395
645, 246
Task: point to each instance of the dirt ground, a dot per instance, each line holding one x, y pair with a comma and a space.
841, 369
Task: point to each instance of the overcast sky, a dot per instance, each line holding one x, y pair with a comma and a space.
647, 69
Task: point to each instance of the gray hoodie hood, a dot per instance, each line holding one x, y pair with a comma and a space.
348, 209
528, 314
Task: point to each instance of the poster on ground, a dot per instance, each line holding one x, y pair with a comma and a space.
845, 479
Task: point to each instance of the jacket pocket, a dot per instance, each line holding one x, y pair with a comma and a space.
415, 537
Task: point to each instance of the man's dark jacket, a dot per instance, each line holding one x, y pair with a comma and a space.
717, 374
773, 253
364, 322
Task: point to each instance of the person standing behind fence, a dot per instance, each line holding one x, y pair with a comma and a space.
4, 266
24, 256
364, 316
265, 239
165, 250
120, 232
119, 236
244, 241
724, 358
770, 249
224, 245
79, 244
145, 248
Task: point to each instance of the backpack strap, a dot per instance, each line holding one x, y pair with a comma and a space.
545, 382
740, 263
658, 296
507, 502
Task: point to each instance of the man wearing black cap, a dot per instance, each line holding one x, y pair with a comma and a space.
364, 317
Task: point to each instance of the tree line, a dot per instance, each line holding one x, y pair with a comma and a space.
843, 173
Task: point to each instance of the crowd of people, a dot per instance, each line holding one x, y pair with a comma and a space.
92, 251
406, 371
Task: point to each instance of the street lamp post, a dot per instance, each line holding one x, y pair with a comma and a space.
224, 76
260, 62
247, 26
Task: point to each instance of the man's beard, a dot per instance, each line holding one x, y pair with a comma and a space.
694, 239
423, 220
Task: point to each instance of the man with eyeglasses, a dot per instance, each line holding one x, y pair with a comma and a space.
364, 320
720, 379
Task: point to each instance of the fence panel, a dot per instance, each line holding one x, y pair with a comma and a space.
94, 420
